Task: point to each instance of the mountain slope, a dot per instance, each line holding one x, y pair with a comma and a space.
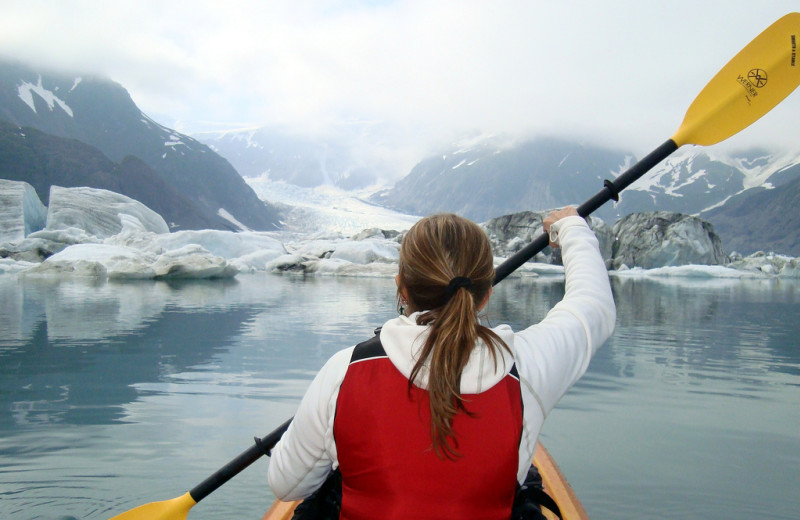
43, 160
766, 219
101, 113
687, 182
487, 179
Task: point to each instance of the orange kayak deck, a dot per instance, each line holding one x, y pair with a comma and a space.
555, 484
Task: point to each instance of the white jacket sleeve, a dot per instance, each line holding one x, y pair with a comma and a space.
552, 355
301, 460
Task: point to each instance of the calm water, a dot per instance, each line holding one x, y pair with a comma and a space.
115, 395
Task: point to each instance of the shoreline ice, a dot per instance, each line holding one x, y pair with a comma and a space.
97, 233
223, 254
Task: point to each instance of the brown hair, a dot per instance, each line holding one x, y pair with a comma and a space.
436, 250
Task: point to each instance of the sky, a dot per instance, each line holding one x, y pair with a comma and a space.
619, 73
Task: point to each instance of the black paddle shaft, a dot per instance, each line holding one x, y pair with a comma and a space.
244, 459
610, 191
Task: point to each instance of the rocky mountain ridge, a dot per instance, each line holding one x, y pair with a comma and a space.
487, 180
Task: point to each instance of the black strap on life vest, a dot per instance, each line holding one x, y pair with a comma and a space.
326, 502
531, 497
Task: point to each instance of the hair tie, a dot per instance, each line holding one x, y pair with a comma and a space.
455, 284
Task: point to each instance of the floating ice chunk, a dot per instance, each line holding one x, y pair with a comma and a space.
192, 261
101, 260
101, 213
226, 244
332, 266
123, 262
367, 251
10, 266
21, 211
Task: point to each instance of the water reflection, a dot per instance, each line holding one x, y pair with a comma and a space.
113, 395
75, 352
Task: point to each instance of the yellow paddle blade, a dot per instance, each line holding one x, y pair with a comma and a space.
749, 86
175, 509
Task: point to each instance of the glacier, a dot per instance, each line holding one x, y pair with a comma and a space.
21, 211
102, 234
99, 212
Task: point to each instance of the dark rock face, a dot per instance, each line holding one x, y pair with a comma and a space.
658, 239
510, 233
647, 240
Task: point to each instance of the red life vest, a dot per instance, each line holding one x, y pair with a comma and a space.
386, 457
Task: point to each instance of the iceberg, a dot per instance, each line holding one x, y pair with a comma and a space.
192, 261
98, 260
122, 262
246, 251
21, 211
665, 239
99, 212
101, 234
367, 251
226, 244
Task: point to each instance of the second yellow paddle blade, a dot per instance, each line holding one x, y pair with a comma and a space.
175, 509
749, 86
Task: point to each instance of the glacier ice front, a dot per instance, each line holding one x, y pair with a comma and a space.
99, 233
99, 212
21, 211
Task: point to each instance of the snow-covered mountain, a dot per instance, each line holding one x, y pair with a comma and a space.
353, 156
697, 180
762, 218
88, 132
488, 178
206, 190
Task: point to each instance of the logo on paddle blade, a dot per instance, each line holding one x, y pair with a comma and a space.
757, 77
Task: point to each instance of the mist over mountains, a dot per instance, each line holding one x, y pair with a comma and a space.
487, 176
297, 159
71, 130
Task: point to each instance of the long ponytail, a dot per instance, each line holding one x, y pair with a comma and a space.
446, 269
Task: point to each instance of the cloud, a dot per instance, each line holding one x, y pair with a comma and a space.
622, 72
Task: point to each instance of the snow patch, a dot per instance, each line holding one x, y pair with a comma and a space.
230, 218
26, 91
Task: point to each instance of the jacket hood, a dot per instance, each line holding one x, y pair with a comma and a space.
403, 339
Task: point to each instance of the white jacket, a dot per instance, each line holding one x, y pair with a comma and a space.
550, 357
